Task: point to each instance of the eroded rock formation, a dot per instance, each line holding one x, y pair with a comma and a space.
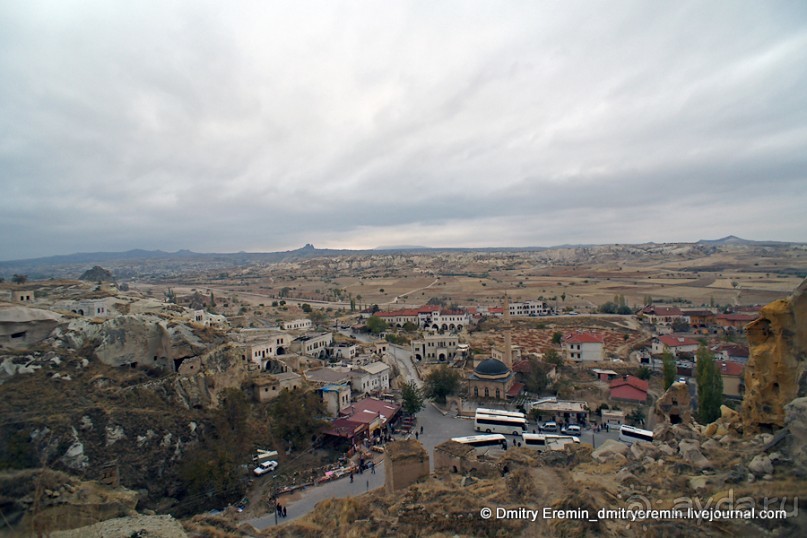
776, 373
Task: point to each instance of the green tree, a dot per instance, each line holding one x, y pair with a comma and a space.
19, 279
306, 308
669, 368
557, 337
536, 381
376, 325
636, 417
352, 304
413, 400
212, 300
295, 417
442, 382
710, 386
643, 373
553, 357
317, 317
409, 327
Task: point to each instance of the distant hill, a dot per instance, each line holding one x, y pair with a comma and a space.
97, 274
139, 262
734, 240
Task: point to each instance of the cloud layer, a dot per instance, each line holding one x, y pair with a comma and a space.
246, 126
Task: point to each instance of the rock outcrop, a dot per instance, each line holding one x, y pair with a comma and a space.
21, 326
41, 501
777, 369
674, 406
136, 340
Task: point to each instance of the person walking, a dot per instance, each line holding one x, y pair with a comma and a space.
351, 477
372, 467
421, 429
284, 512
416, 436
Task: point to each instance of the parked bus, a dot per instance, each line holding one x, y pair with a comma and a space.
629, 434
543, 441
501, 412
499, 424
477, 441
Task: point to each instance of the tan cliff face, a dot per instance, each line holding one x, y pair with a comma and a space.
777, 368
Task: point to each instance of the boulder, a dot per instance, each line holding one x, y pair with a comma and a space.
761, 465
795, 444
610, 451
690, 451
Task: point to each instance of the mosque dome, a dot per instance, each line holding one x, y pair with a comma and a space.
491, 369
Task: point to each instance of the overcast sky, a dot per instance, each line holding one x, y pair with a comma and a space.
261, 126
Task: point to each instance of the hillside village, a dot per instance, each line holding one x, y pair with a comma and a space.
100, 381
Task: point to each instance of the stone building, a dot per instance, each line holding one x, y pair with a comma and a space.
405, 462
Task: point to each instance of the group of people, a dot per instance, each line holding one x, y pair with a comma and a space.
281, 510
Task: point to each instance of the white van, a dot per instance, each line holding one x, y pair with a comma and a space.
550, 426
571, 429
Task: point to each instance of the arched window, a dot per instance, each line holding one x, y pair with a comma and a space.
476, 391
498, 394
487, 393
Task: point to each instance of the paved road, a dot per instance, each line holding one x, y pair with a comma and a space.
436, 429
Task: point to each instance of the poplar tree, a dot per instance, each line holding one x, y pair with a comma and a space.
668, 362
710, 386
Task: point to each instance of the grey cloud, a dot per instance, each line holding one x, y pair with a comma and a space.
266, 126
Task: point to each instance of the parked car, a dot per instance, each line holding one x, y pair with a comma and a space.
571, 429
265, 467
550, 426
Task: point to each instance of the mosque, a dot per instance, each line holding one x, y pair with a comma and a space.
493, 378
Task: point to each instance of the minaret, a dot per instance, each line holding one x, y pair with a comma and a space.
508, 342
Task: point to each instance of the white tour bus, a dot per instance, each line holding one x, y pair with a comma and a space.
544, 441
629, 434
499, 424
477, 441
500, 412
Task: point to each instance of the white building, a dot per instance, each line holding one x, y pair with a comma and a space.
203, 317
583, 347
261, 345
313, 345
674, 344
530, 309
94, 308
297, 325
435, 347
370, 378
343, 350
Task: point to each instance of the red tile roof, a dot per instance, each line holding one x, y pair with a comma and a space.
701, 313
584, 338
515, 390
738, 317
662, 310
369, 408
633, 381
731, 368
671, 340
522, 367
398, 313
